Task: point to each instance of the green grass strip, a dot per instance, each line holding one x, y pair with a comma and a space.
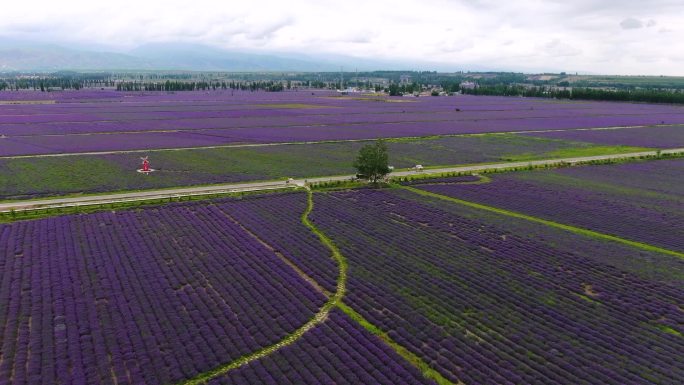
341, 261
573, 229
416, 361
670, 330
88, 208
318, 318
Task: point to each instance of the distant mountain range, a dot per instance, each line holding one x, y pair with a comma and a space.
19, 56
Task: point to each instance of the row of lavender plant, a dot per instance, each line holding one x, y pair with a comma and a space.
336, 352
654, 137
486, 306
416, 181
113, 117
197, 121
573, 196
656, 179
49, 144
200, 120
648, 265
276, 220
153, 297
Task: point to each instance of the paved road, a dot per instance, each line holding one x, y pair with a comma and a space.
262, 186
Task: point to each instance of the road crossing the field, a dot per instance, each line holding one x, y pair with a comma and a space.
102, 199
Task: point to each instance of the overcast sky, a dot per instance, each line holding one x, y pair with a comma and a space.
591, 36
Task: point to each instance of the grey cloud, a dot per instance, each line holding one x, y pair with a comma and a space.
357, 36
360, 39
676, 58
455, 45
646, 58
267, 30
631, 23
558, 48
523, 34
634, 7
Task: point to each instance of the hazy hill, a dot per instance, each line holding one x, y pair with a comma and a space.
205, 58
48, 57
52, 57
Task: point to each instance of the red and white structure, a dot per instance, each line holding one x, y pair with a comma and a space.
145, 166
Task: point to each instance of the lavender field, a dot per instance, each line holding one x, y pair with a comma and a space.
165, 294
655, 137
369, 285
137, 121
276, 221
359, 193
485, 305
642, 201
339, 352
153, 297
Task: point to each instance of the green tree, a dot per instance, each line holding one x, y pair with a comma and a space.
372, 162
394, 90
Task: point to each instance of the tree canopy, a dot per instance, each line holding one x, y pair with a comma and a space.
372, 163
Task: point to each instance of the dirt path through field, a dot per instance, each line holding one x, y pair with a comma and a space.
317, 319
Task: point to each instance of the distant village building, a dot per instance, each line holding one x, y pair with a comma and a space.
383, 82
405, 79
468, 85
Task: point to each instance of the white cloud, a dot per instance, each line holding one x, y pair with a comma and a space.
631, 23
556, 48
580, 35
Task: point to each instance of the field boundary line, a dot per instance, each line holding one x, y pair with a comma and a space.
406, 354
570, 228
280, 255
318, 318
333, 301
325, 240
